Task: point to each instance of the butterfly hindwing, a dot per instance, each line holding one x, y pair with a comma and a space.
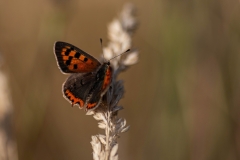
74, 60
76, 88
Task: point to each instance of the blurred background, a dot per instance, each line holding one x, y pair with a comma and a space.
182, 104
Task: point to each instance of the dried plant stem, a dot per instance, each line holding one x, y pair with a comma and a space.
107, 132
120, 30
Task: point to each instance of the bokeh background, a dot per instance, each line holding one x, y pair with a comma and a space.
182, 99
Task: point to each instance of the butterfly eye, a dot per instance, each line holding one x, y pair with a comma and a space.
108, 63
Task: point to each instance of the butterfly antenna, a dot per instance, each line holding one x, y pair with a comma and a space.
119, 54
101, 41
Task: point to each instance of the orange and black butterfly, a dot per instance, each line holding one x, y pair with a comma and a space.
89, 79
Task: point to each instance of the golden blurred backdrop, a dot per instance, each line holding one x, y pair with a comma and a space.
182, 99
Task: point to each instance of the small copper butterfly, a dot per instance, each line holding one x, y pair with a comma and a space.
89, 79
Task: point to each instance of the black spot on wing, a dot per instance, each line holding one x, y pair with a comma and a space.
75, 66
85, 59
68, 62
67, 52
77, 55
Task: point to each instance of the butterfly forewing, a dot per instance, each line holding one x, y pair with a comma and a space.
74, 60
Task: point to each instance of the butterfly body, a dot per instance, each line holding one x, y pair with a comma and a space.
89, 79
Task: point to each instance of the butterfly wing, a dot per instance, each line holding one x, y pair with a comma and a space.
87, 89
77, 87
71, 59
98, 89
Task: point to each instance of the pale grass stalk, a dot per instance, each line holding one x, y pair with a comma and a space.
120, 32
8, 147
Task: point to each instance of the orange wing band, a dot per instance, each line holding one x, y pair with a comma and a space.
107, 79
91, 105
73, 99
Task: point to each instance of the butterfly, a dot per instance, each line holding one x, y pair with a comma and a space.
89, 79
